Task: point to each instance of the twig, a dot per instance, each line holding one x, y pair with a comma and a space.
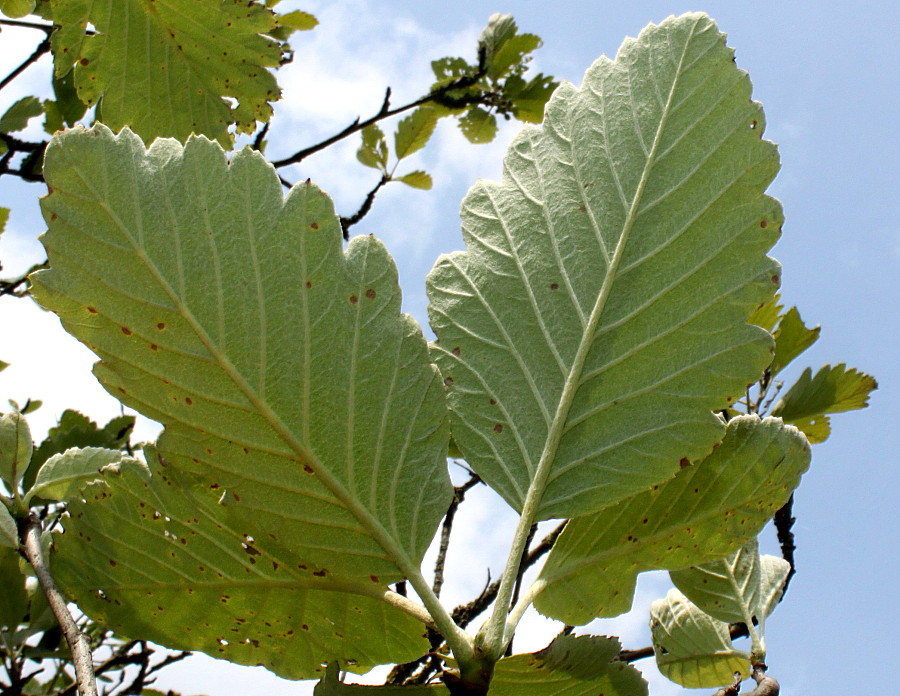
733, 689
14, 145
348, 222
258, 140
42, 48
14, 286
79, 645
784, 522
459, 494
46, 28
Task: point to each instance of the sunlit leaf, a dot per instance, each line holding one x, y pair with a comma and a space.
302, 391
773, 574
529, 98
16, 8
511, 55
767, 314
17, 116
417, 179
599, 314
792, 337
479, 126
570, 665
373, 152
15, 449
165, 68
62, 475
414, 131
693, 649
499, 30
140, 555
706, 511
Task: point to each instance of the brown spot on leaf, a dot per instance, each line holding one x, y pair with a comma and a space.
353, 299
684, 463
498, 428
448, 381
189, 401
374, 578
554, 286
308, 469
53, 216
84, 61
113, 563
160, 326
763, 224
126, 331
493, 402
456, 351
308, 284
370, 293
92, 310
153, 346
320, 573
314, 225
776, 279
582, 208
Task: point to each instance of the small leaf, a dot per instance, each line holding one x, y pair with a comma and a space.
31, 406
510, 57
16, 8
767, 314
773, 574
500, 29
15, 449
9, 534
447, 69
707, 510
373, 152
414, 131
727, 589
478, 126
67, 109
529, 98
792, 337
63, 475
417, 179
298, 20
4, 218
17, 116
693, 649
570, 665
834, 389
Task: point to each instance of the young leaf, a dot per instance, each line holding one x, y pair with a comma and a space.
693, 649
414, 131
529, 98
417, 179
727, 589
599, 314
17, 116
13, 598
15, 449
63, 474
140, 555
706, 511
373, 152
767, 314
301, 389
510, 57
163, 69
478, 125
833, 390
499, 30
792, 337
570, 665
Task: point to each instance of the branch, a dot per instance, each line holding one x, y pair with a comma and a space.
46, 28
459, 494
784, 521
347, 223
42, 48
16, 286
79, 645
14, 145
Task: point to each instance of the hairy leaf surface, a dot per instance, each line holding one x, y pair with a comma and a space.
706, 511
163, 68
599, 312
570, 665
280, 366
693, 649
141, 553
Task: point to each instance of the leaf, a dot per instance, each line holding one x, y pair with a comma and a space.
414, 131
4, 218
570, 665
447, 69
767, 314
373, 152
298, 20
62, 475
478, 126
331, 685
773, 574
16, 8
68, 109
833, 390
15, 449
9, 531
511, 56
17, 116
303, 390
599, 314
77, 430
693, 649
528, 98
727, 589
792, 337
707, 510
13, 599
500, 29
140, 555
417, 179
164, 68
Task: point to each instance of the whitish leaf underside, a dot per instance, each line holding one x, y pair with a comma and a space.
279, 365
599, 312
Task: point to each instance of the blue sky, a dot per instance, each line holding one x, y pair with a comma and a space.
827, 75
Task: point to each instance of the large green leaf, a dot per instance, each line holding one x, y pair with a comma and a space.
599, 314
692, 648
705, 512
280, 366
164, 68
141, 553
570, 665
